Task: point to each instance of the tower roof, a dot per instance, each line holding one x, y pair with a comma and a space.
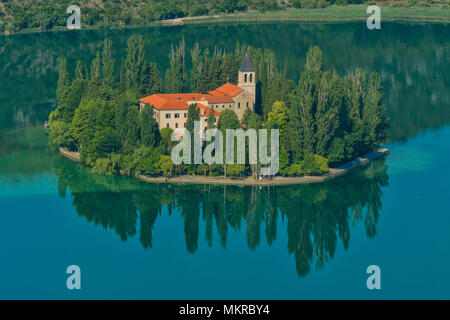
246, 65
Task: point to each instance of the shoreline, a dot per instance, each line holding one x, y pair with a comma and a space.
249, 181
333, 13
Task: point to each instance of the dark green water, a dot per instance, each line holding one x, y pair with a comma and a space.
138, 240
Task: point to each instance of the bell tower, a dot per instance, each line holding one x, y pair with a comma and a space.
246, 76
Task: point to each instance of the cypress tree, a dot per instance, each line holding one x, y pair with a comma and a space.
329, 103
175, 80
80, 71
151, 82
108, 63
211, 120
197, 67
122, 76
95, 68
63, 79
192, 116
149, 130
134, 63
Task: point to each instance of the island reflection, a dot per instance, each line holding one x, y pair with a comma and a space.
316, 215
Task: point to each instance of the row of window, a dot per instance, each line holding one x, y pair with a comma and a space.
251, 77
223, 106
176, 125
176, 115
184, 124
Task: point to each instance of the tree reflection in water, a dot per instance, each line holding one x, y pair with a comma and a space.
317, 215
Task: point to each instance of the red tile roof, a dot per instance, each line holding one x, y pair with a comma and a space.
227, 89
206, 110
217, 99
178, 101
171, 101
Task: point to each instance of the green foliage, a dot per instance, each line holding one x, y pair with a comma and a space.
63, 79
103, 166
295, 170
311, 4
104, 143
235, 169
107, 63
91, 127
313, 164
252, 120
175, 81
45, 15
136, 74
325, 119
96, 69
166, 143
146, 160
210, 72
192, 116
165, 165
336, 118
80, 71
151, 81
228, 119
279, 114
149, 130
59, 132
70, 100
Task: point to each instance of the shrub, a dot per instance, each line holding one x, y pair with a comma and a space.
165, 165
295, 170
235, 169
103, 166
126, 164
322, 163
314, 164
145, 160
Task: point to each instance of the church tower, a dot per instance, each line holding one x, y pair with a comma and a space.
246, 76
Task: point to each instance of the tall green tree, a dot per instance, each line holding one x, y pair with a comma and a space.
228, 119
107, 63
96, 68
63, 79
175, 80
80, 71
151, 82
149, 130
329, 104
280, 116
192, 116
303, 107
375, 121
211, 120
134, 63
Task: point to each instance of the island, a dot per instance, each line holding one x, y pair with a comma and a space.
122, 123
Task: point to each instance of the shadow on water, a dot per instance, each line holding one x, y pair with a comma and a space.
316, 215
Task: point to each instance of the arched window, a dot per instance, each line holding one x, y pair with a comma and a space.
251, 77
245, 77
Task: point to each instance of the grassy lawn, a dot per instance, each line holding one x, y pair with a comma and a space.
339, 13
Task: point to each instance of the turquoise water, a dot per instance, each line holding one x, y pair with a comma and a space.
137, 240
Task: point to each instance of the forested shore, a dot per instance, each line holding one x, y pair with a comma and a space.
41, 15
324, 120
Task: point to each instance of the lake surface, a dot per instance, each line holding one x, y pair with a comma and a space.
137, 240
